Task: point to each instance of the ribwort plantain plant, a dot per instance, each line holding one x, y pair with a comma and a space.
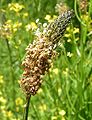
39, 56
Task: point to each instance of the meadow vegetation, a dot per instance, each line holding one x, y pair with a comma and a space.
66, 90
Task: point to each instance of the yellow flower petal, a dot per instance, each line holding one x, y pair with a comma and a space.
9, 114
47, 17
43, 107
19, 101
55, 71
62, 112
33, 25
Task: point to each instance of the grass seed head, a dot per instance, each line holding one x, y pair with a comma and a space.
39, 55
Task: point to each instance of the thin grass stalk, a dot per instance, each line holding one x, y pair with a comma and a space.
25, 117
80, 81
83, 36
68, 97
90, 8
12, 72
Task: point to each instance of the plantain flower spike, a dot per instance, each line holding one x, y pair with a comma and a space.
40, 53
83, 4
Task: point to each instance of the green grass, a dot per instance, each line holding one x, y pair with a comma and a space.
66, 91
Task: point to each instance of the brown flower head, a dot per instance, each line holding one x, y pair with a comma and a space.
39, 55
56, 29
61, 8
36, 63
83, 5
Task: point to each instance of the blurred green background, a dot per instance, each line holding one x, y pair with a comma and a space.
66, 92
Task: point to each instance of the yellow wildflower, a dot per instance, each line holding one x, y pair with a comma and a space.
9, 114
19, 101
17, 109
54, 17
28, 27
62, 112
63, 118
25, 15
15, 7
59, 91
85, 18
54, 118
47, 17
65, 72
2, 100
55, 71
6, 29
67, 35
8, 25
31, 26
8, 22
16, 46
16, 26
69, 54
40, 91
43, 107
76, 30
2, 108
68, 29
1, 79
69, 40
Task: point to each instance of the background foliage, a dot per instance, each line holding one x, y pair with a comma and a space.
66, 92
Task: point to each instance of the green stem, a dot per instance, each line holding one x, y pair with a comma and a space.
75, 9
11, 71
90, 8
25, 117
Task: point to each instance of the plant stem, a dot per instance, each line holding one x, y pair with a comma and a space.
11, 71
26, 108
75, 9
